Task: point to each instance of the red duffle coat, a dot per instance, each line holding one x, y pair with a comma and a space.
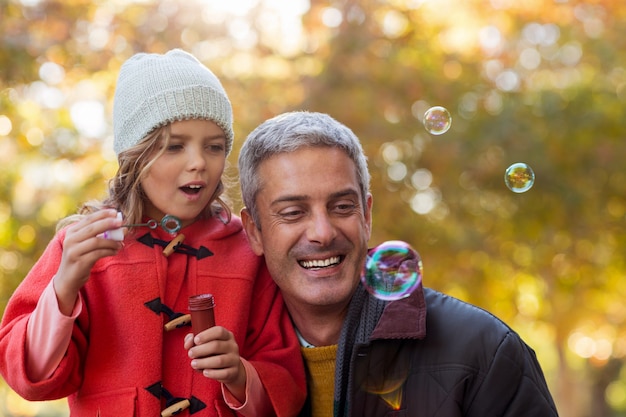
121, 361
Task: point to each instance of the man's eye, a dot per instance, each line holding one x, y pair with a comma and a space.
345, 207
291, 214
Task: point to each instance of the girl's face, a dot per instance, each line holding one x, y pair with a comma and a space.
183, 178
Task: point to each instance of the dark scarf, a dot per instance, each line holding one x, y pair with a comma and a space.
364, 312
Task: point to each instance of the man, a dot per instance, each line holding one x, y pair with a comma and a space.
305, 185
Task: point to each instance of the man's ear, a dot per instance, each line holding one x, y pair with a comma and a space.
368, 214
254, 233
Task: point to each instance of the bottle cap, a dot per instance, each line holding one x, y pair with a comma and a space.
201, 302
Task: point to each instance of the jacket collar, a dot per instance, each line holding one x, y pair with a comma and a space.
404, 318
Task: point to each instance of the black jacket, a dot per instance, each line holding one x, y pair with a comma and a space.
431, 355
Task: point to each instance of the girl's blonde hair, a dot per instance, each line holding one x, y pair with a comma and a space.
125, 193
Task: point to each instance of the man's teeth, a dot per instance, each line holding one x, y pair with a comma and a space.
321, 263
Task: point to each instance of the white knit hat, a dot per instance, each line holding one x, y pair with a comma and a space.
154, 90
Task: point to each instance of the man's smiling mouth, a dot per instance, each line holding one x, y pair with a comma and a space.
321, 263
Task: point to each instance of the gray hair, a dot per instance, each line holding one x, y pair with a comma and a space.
287, 133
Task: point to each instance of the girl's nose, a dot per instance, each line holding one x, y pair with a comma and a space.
197, 160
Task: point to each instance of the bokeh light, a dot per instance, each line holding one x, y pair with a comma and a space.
5, 125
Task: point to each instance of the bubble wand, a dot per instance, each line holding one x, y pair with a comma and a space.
171, 224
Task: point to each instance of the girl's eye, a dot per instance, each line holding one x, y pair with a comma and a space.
216, 148
174, 147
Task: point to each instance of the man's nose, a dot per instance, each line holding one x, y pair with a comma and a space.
321, 229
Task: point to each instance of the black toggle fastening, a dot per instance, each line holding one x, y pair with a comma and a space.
176, 320
175, 405
199, 253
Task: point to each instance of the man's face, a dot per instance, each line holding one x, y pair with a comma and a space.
313, 226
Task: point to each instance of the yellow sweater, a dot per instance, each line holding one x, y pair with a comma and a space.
320, 362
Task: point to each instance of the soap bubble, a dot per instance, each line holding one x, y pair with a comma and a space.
437, 120
392, 270
519, 177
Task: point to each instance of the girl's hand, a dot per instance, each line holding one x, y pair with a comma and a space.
215, 352
81, 249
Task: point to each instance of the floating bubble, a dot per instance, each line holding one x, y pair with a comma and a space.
392, 270
437, 120
519, 177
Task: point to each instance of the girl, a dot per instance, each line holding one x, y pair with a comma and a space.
105, 322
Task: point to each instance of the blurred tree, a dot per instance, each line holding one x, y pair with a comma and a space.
541, 82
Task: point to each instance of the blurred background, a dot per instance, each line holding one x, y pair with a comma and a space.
541, 82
